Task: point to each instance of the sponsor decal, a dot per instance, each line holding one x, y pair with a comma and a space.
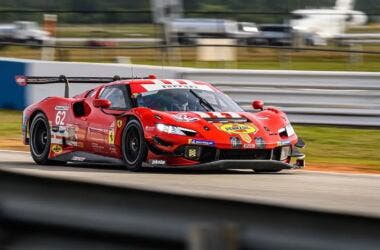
158, 85
157, 162
201, 142
78, 158
243, 130
246, 138
119, 123
62, 108
111, 137
55, 129
62, 129
185, 118
238, 128
283, 143
56, 149
71, 133
236, 142
249, 146
172, 86
111, 134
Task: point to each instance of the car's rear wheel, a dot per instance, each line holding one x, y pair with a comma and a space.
40, 139
133, 145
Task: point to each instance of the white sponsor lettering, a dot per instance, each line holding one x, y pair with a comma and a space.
174, 84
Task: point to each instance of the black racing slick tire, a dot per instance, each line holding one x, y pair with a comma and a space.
134, 148
40, 139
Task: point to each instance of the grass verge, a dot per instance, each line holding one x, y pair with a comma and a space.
326, 145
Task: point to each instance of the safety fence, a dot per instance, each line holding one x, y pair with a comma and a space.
153, 50
339, 98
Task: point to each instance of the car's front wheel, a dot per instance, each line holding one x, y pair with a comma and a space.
133, 145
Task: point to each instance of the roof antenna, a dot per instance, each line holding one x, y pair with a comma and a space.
132, 71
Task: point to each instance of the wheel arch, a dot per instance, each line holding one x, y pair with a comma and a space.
30, 120
136, 166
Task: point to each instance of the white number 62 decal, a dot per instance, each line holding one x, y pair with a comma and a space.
60, 118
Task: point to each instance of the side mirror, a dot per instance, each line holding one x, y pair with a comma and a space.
101, 103
258, 104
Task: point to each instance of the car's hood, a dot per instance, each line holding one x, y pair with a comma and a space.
265, 127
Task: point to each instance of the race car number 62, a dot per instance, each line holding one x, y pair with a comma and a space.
60, 118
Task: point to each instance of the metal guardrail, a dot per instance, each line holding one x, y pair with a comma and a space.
313, 97
42, 213
339, 98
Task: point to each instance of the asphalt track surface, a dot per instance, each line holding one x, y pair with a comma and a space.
343, 193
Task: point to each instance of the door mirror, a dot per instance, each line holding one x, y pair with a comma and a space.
101, 103
258, 104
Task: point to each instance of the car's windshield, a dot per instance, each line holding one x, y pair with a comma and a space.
187, 100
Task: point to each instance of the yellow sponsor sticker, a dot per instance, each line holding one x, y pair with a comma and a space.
238, 128
119, 123
56, 149
111, 137
246, 138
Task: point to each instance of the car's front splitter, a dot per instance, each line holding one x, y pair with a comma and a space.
260, 165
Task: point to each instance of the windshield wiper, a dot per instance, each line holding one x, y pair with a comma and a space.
202, 101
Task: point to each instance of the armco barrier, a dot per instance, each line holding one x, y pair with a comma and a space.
339, 98
42, 213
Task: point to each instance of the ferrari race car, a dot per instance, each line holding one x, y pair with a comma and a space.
147, 122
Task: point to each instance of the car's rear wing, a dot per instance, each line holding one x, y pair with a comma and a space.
26, 80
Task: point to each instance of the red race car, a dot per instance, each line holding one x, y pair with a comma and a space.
148, 122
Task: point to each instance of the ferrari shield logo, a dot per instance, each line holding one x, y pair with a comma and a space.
111, 137
119, 123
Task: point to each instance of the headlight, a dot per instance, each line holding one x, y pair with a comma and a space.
289, 130
174, 130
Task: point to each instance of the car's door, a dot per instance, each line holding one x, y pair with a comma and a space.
102, 124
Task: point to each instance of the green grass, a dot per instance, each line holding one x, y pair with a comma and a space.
10, 123
341, 145
325, 144
299, 64
108, 30
143, 29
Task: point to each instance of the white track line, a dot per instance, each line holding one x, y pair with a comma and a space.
14, 151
